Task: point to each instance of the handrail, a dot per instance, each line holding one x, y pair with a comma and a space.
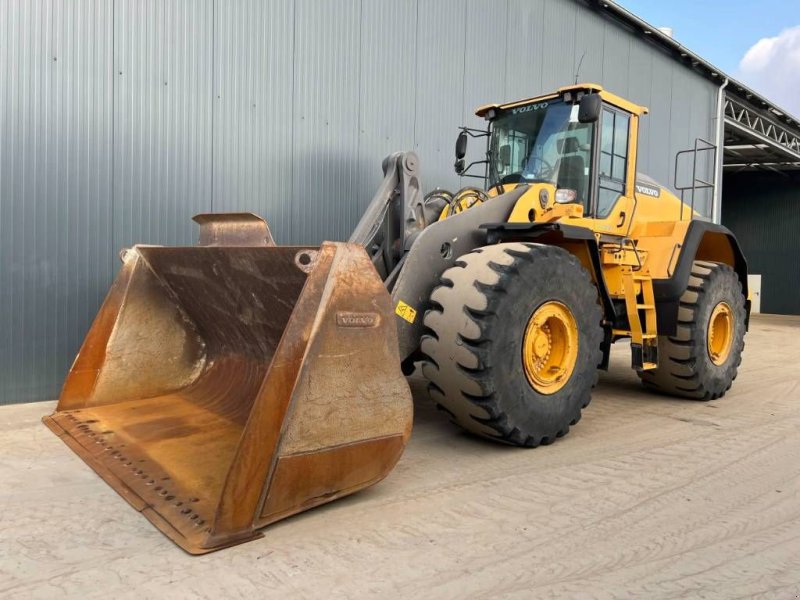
700, 145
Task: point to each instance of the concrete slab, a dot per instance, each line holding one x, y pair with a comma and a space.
647, 497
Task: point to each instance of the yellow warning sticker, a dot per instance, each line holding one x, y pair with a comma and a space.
404, 311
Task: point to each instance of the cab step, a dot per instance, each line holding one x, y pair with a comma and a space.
643, 331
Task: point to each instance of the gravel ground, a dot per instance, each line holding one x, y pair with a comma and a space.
647, 497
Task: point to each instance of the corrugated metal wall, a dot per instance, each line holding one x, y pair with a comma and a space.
56, 178
121, 119
750, 203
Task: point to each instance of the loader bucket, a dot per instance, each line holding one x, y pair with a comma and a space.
222, 388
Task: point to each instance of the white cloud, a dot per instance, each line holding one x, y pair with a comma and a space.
772, 67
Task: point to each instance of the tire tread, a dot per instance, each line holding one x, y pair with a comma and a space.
475, 286
676, 369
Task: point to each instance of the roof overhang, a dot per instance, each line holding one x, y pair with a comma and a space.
758, 133
755, 140
688, 58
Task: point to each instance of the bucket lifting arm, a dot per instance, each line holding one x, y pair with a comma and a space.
395, 216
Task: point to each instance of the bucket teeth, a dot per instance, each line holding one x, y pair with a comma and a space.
224, 387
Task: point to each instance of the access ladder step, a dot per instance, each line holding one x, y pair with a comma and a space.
644, 357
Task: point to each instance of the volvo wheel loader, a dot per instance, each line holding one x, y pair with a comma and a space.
225, 386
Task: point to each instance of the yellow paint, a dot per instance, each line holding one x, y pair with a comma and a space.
643, 334
624, 104
405, 311
584, 87
482, 110
550, 347
720, 333
642, 237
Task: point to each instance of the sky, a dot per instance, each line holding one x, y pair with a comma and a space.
754, 41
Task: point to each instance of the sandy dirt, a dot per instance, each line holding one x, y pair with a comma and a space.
647, 497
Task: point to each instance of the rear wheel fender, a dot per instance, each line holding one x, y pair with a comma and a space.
703, 242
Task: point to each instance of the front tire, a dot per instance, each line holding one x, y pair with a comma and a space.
701, 360
513, 342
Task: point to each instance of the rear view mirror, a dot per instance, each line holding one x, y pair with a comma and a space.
459, 166
589, 109
461, 145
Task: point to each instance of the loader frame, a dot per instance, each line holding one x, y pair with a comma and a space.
436, 245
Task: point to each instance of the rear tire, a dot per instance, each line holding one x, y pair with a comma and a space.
689, 365
479, 337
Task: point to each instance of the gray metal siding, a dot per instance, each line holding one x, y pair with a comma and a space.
558, 44
484, 77
524, 47
590, 36
253, 110
616, 59
326, 93
439, 103
750, 203
121, 119
55, 186
387, 89
162, 119
640, 74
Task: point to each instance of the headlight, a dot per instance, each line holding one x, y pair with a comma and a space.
566, 196
543, 198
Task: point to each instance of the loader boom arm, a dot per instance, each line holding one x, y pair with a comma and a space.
394, 216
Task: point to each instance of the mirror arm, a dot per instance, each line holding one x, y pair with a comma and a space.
475, 133
470, 165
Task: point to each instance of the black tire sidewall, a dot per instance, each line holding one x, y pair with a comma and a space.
552, 275
723, 286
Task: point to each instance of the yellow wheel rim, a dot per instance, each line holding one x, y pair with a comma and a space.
550, 347
720, 333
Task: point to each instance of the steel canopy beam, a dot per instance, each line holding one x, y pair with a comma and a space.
754, 125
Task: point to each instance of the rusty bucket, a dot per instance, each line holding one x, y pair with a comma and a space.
227, 386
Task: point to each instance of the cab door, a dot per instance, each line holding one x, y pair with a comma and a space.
613, 203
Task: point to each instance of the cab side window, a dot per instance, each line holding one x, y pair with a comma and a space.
613, 160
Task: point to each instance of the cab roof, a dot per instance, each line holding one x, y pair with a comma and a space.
591, 88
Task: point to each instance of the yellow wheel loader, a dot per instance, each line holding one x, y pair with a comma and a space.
225, 386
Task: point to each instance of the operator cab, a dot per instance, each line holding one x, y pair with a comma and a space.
542, 143
580, 140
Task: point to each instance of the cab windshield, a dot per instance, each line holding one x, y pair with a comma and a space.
545, 143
